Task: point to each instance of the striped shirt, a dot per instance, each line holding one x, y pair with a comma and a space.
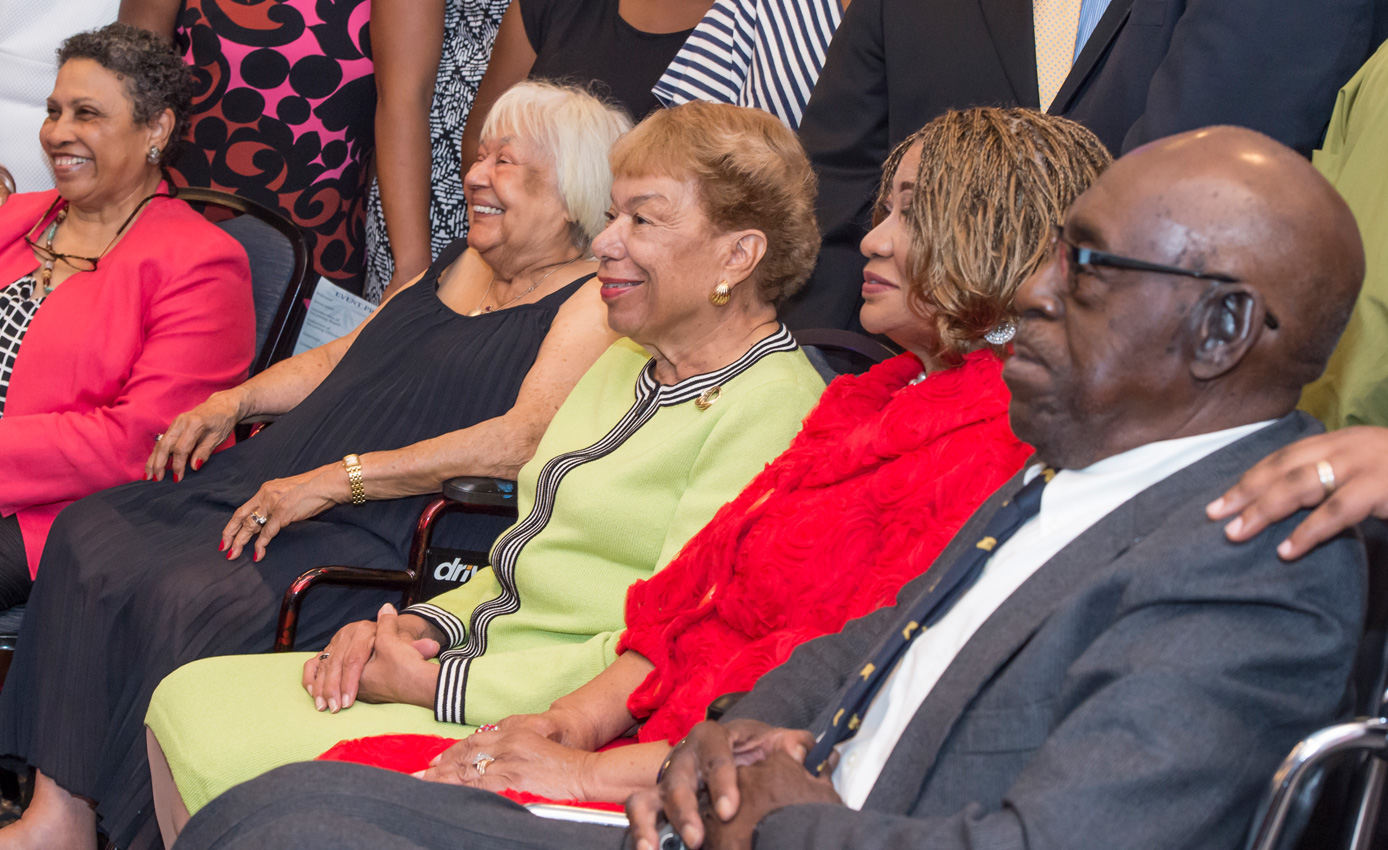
765, 54
1090, 13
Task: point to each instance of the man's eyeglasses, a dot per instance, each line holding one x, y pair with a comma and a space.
1073, 257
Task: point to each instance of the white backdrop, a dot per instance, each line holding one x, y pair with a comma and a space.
30, 32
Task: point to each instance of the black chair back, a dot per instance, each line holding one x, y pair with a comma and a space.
837, 352
280, 269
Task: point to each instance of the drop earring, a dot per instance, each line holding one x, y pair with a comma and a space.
720, 295
1002, 334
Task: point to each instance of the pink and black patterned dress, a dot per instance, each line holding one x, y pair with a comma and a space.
284, 115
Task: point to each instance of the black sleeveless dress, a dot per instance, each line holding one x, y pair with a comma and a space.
131, 584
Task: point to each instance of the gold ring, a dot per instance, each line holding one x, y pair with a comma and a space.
1326, 473
481, 763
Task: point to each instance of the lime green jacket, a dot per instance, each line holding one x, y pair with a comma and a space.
1354, 388
627, 472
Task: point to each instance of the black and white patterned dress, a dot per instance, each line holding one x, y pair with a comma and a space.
469, 29
17, 309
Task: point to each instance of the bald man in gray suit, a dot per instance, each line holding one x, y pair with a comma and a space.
1105, 668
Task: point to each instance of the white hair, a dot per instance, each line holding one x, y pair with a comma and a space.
576, 130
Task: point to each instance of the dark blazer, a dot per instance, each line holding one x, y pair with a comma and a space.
1137, 691
1151, 68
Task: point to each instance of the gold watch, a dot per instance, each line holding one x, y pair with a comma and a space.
353, 465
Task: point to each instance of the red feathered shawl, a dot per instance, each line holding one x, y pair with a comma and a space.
877, 482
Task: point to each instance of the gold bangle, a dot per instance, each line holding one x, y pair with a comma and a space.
353, 465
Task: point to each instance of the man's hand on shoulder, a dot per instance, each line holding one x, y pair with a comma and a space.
1343, 475
707, 780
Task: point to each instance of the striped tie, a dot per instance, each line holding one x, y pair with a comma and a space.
924, 612
1055, 23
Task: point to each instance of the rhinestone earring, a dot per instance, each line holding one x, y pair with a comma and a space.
153, 156
1002, 334
720, 295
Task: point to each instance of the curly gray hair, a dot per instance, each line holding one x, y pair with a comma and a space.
155, 76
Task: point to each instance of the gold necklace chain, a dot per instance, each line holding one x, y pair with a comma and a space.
480, 309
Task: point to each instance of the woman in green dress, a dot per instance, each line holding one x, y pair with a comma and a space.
711, 226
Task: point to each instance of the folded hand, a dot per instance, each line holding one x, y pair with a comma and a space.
373, 662
706, 764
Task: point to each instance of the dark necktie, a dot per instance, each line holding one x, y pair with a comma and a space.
924, 612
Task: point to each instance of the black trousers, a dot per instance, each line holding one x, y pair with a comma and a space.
352, 807
14, 566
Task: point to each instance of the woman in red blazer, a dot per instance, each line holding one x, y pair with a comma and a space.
120, 307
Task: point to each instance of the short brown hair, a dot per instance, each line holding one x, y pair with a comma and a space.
991, 184
751, 173
153, 73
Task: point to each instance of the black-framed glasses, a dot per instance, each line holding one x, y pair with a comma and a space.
1074, 256
48, 256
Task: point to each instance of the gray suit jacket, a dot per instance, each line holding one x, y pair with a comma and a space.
1137, 691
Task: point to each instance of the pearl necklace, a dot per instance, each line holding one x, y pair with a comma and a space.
487, 309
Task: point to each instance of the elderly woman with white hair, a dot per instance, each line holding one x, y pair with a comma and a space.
457, 374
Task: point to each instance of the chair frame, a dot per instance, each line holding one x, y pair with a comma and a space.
836, 339
1286, 800
460, 495
1294, 790
279, 342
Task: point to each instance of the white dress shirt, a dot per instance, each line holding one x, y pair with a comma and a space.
1072, 502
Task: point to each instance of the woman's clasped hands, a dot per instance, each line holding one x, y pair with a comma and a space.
385, 661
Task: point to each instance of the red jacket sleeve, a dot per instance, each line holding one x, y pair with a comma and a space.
196, 336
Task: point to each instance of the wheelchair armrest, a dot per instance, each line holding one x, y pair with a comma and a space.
485, 495
400, 580
720, 706
469, 494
